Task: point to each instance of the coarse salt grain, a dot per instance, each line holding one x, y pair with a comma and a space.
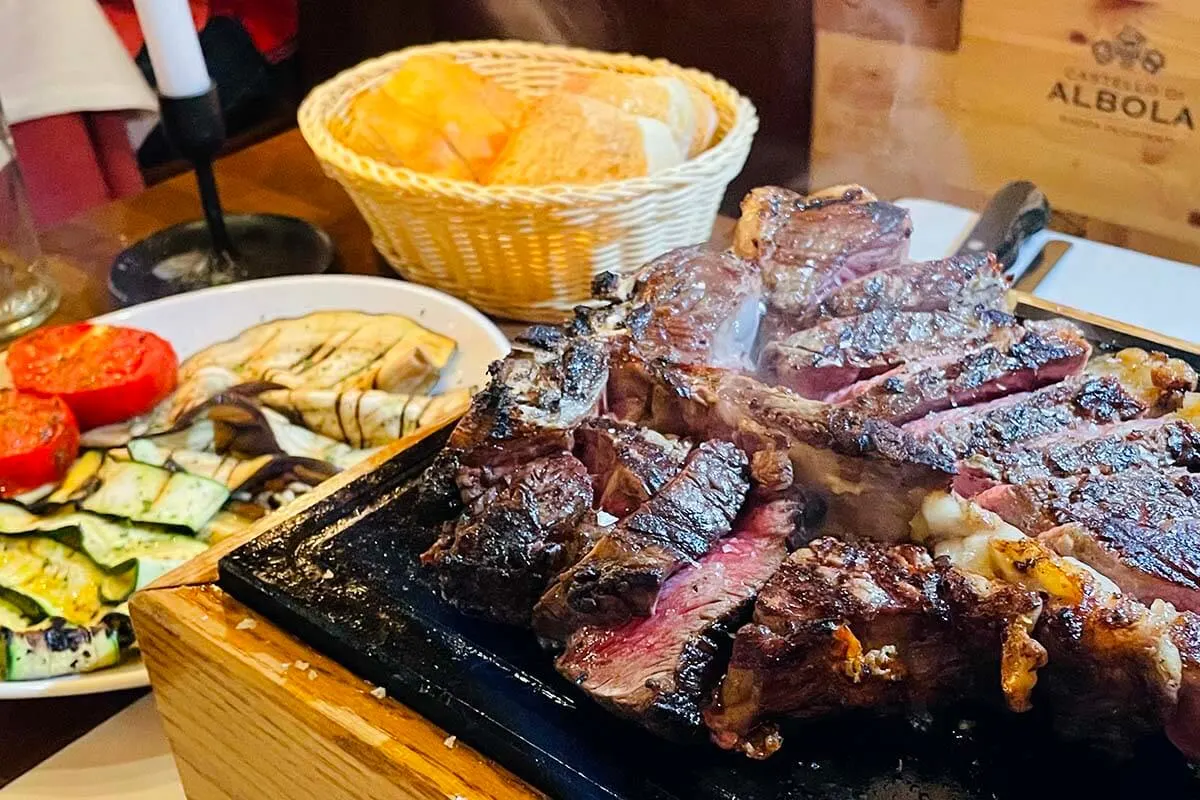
327, 574
450, 741
301, 665
312, 674
246, 624
379, 692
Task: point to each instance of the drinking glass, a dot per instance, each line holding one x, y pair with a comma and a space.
27, 294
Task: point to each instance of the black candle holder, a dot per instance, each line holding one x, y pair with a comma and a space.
219, 249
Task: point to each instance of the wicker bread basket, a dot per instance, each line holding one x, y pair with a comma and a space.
528, 252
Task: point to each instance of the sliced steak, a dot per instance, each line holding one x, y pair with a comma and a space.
1183, 729
966, 281
620, 578
660, 669
1113, 671
628, 463
808, 246
997, 425
693, 305
823, 360
1096, 449
1148, 561
870, 475
1012, 360
843, 626
536, 396
516, 536
1146, 496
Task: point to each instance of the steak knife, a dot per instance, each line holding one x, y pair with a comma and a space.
1014, 213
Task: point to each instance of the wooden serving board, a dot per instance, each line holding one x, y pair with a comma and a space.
261, 651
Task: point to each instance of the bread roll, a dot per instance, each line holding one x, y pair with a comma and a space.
435, 102
684, 109
568, 138
377, 128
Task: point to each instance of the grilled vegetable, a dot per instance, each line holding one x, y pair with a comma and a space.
56, 648
332, 350
46, 578
113, 546
364, 418
104, 373
145, 493
38, 441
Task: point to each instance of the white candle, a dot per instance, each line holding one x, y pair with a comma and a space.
174, 47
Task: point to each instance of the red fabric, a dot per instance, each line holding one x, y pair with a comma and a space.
272, 24
72, 162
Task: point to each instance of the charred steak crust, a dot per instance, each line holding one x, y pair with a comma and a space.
964, 281
1153, 443
820, 361
514, 538
1015, 359
808, 245
621, 576
535, 397
994, 427
843, 626
658, 671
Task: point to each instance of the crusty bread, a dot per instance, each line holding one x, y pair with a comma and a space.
684, 109
376, 127
568, 138
456, 106
706, 121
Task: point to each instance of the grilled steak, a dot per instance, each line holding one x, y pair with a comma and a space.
698, 306
658, 670
1113, 669
821, 361
620, 578
995, 426
628, 463
1103, 449
843, 626
961, 282
1148, 561
869, 473
536, 396
808, 246
1183, 729
1013, 359
516, 536
1146, 496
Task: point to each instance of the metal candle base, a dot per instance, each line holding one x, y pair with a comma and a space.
181, 258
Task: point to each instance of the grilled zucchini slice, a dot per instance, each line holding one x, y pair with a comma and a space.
113, 546
58, 648
43, 577
146, 493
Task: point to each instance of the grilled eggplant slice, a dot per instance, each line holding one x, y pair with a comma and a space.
368, 418
332, 350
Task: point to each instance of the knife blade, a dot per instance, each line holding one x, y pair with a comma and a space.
1042, 264
1014, 213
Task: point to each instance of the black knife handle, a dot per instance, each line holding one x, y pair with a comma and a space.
1015, 213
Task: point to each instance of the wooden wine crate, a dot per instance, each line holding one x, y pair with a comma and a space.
1097, 101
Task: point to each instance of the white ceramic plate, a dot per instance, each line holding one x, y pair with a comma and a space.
193, 321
